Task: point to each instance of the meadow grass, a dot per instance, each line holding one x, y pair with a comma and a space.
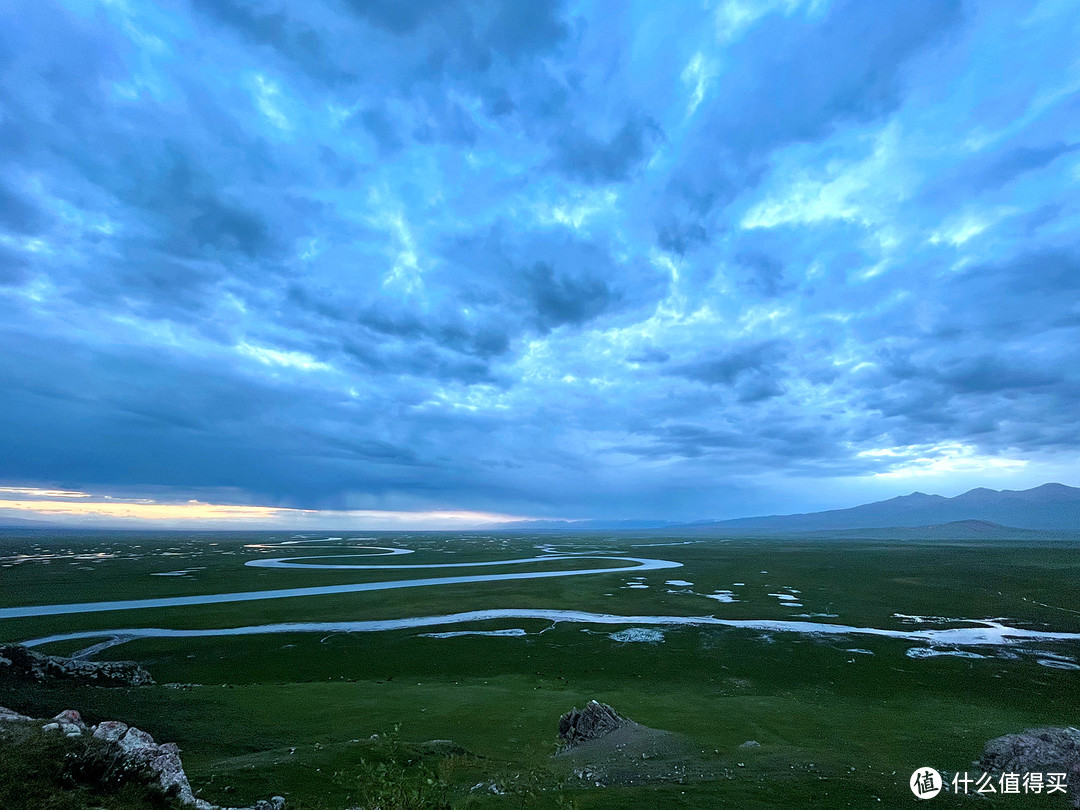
835, 726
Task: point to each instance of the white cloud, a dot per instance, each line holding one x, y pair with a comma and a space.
576, 211
276, 357
734, 17
36, 492
843, 191
405, 274
697, 74
921, 460
267, 99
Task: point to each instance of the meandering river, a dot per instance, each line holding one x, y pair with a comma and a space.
639, 564
982, 633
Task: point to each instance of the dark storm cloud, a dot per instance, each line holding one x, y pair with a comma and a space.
1023, 159
610, 160
12, 267
195, 216
806, 78
551, 257
446, 122
1036, 273
275, 28
689, 441
130, 412
727, 366
398, 18
17, 213
427, 360
1026, 294
796, 80
764, 273
995, 365
549, 278
386, 133
1013, 163
467, 33
561, 300
480, 339
974, 375
650, 355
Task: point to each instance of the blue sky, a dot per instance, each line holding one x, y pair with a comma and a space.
626, 260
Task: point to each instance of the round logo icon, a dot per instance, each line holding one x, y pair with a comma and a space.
925, 783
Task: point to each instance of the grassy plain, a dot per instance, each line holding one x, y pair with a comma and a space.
842, 721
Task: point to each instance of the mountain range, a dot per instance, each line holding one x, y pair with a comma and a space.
1050, 507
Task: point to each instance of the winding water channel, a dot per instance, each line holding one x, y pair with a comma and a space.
640, 564
983, 632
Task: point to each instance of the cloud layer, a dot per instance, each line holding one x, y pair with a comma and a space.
555, 259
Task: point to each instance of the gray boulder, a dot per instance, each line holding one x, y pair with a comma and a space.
21, 664
8, 716
1044, 750
70, 723
110, 730
595, 720
137, 750
163, 760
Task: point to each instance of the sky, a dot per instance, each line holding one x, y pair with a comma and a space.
442, 263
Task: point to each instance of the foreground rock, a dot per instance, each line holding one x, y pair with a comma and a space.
128, 750
602, 747
21, 664
1037, 750
8, 716
590, 723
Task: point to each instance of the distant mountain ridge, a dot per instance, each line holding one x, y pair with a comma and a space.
980, 511
1046, 507
23, 523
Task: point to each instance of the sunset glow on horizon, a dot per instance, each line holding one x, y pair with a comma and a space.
119, 512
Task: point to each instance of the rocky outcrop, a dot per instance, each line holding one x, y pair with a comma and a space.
595, 720
602, 747
69, 723
131, 749
21, 664
1037, 750
8, 716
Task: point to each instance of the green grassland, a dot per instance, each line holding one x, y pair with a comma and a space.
295, 714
